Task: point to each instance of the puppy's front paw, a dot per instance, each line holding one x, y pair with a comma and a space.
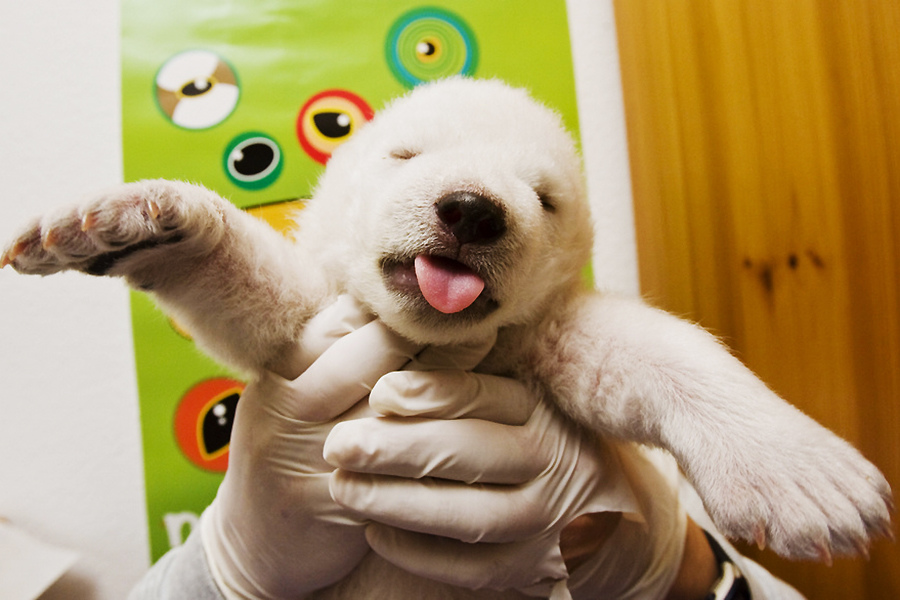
807, 494
107, 234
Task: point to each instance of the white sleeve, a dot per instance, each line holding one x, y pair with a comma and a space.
181, 574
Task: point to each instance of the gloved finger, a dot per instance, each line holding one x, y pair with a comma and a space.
452, 394
266, 428
458, 356
469, 513
335, 321
467, 450
517, 565
347, 371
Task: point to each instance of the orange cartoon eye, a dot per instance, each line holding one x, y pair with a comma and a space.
328, 119
203, 422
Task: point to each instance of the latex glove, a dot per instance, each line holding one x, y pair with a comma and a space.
273, 530
478, 493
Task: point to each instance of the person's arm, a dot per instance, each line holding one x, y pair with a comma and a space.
181, 574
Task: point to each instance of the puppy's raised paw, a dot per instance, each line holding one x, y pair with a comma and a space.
109, 233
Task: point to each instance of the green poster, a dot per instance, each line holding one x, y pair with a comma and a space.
250, 98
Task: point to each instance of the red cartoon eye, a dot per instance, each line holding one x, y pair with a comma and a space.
203, 422
328, 119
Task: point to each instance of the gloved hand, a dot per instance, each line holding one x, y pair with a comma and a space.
273, 530
470, 480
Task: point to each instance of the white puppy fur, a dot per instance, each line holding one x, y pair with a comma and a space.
766, 472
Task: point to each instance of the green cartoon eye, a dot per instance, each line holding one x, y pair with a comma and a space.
196, 89
429, 43
253, 161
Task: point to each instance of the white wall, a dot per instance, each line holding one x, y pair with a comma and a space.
70, 463
602, 117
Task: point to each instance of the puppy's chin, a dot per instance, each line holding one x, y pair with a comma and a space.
425, 325
404, 309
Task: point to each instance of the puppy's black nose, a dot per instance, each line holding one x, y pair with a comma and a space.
471, 218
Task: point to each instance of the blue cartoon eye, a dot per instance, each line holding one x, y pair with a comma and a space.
253, 161
430, 43
196, 89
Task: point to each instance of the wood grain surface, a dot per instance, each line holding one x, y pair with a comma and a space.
764, 141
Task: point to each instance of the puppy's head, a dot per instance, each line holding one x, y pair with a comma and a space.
459, 209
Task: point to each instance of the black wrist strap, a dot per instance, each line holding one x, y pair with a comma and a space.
731, 584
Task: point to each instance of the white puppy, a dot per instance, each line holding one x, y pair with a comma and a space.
459, 211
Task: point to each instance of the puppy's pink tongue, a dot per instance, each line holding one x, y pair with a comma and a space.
447, 285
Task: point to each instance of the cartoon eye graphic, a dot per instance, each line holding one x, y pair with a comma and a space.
328, 119
430, 43
253, 161
429, 50
196, 89
203, 422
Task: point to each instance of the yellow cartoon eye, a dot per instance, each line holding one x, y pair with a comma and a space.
429, 50
430, 43
328, 119
196, 89
334, 124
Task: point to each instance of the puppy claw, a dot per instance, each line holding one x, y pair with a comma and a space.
88, 222
10, 255
152, 209
49, 239
885, 530
823, 552
759, 536
862, 548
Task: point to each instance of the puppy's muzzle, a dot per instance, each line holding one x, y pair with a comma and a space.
471, 218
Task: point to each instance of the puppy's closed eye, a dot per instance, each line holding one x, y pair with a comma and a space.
547, 202
404, 153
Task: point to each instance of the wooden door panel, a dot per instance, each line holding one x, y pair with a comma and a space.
764, 141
